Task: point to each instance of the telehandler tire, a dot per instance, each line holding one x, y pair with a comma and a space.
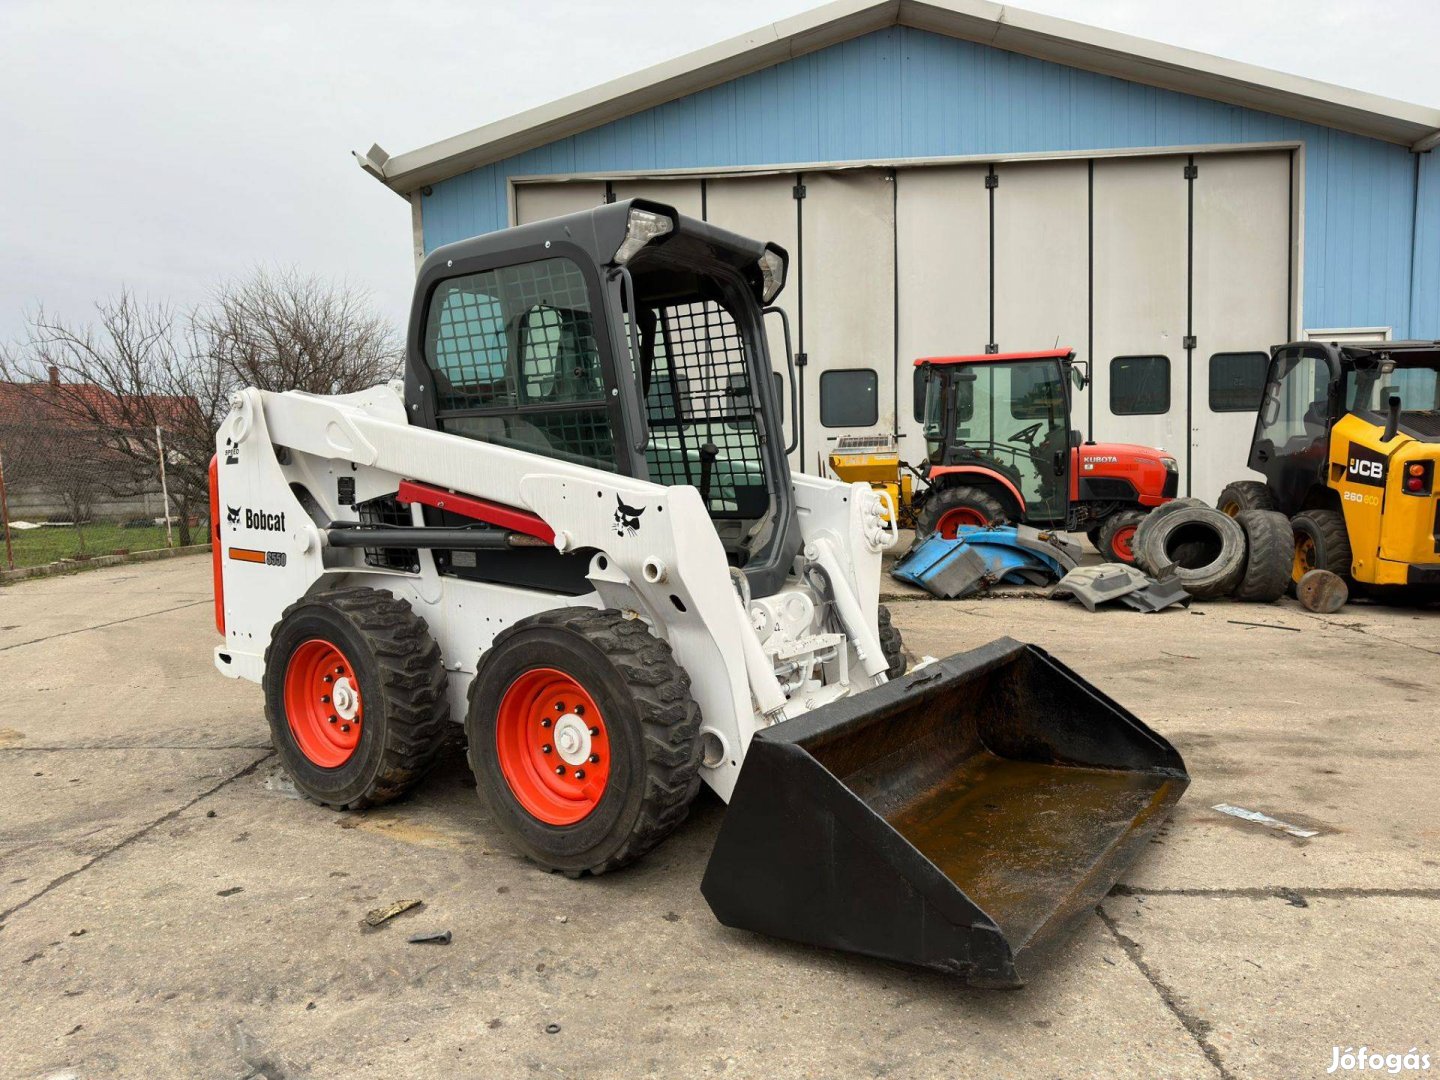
891, 643
1117, 536
355, 696
952, 507
1245, 495
1321, 543
584, 738
1270, 551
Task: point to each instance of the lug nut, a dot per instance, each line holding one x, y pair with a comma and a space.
344, 727
332, 719
579, 774
547, 748
324, 699
328, 678
559, 770
559, 706
594, 731
339, 670
594, 759
545, 722
579, 710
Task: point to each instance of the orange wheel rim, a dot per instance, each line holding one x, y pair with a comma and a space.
1122, 543
552, 746
952, 521
322, 703
1304, 557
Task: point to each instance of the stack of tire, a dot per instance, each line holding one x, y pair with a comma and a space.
1248, 555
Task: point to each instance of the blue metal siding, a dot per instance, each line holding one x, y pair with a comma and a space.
907, 93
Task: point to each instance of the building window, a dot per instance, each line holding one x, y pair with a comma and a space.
921, 378
849, 398
1139, 385
1237, 381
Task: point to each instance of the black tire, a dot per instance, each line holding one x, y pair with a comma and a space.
652, 727
1320, 543
405, 715
1093, 535
1270, 553
891, 643
1117, 536
960, 498
1245, 495
1206, 548
1158, 514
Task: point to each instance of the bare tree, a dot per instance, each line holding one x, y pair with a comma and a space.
282, 330
139, 366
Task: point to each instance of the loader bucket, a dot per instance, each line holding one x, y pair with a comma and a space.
960, 818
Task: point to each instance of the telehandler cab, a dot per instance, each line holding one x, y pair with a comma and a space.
573, 528
1348, 440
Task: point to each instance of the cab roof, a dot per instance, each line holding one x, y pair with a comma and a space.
990, 358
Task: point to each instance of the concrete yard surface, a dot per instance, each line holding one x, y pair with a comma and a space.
169, 907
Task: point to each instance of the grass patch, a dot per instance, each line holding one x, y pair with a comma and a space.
35, 547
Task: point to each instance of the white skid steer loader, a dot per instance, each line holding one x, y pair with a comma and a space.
573, 528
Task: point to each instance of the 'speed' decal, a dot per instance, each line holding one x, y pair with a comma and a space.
1365, 466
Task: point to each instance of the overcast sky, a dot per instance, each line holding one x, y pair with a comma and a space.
169, 144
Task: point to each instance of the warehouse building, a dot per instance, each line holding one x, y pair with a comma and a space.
954, 176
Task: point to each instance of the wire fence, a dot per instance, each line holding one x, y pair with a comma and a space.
63, 496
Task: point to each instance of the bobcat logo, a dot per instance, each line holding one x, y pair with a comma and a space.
232, 515
627, 518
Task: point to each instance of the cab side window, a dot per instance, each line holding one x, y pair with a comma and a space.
514, 361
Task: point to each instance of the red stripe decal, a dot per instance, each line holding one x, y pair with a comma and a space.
492, 513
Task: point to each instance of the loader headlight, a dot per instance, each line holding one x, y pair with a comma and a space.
641, 227
772, 274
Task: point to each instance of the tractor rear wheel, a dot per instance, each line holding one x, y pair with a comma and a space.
891, 643
951, 508
1245, 495
1117, 536
1321, 543
584, 739
355, 696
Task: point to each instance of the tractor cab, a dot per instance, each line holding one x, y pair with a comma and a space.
1005, 416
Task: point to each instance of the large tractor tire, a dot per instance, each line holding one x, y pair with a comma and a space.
1270, 551
959, 505
584, 739
1117, 536
355, 696
1158, 514
891, 643
1206, 547
1245, 495
1321, 543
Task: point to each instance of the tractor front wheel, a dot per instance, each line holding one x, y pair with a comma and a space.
584, 739
1117, 536
952, 508
355, 696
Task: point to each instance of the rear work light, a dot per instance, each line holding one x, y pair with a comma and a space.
1419, 478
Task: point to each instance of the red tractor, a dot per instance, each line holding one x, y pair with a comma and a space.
1000, 448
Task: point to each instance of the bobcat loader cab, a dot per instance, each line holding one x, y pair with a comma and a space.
573, 528
1348, 440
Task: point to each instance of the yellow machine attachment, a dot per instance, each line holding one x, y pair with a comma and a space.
875, 460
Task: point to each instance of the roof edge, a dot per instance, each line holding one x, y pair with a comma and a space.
1043, 37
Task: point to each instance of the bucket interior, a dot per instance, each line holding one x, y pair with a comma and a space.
1020, 783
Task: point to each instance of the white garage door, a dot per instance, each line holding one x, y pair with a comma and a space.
1170, 275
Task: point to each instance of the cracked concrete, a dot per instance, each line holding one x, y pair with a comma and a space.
167, 907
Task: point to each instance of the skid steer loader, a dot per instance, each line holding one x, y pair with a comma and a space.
573, 528
1348, 440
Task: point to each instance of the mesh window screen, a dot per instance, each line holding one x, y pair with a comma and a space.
699, 395
479, 322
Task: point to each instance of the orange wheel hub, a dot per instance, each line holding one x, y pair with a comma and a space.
1121, 545
552, 747
953, 520
322, 703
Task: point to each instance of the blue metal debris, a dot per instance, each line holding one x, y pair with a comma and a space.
977, 558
